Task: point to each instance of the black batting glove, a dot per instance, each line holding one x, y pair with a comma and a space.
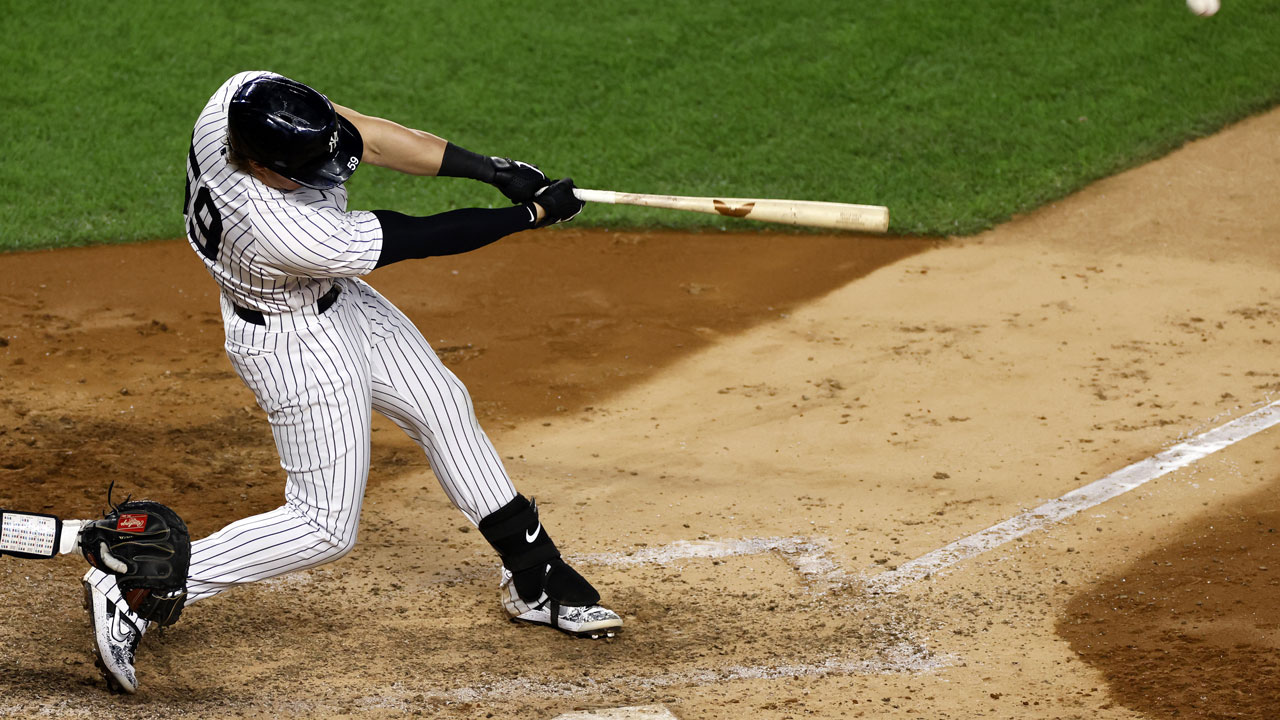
519, 181
558, 202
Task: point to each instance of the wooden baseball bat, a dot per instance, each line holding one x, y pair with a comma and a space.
809, 213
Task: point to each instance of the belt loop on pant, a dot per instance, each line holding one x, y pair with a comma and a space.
255, 317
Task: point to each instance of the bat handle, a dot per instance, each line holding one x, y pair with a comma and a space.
596, 196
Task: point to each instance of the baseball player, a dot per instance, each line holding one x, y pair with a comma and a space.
266, 211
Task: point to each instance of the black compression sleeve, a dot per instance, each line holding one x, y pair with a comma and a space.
449, 233
460, 162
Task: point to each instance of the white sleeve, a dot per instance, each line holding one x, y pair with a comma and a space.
324, 243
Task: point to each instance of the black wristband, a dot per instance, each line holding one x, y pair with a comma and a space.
449, 233
460, 162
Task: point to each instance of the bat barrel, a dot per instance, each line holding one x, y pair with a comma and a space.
808, 213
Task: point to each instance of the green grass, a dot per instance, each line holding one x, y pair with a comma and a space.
955, 115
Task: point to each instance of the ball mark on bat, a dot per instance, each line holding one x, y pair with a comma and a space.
726, 209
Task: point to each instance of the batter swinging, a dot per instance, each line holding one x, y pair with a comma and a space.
266, 211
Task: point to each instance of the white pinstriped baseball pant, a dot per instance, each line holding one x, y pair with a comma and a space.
318, 383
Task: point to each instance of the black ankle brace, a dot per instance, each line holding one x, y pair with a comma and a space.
523, 544
527, 551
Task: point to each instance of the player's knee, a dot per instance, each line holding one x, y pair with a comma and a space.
330, 541
334, 544
460, 397
336, 548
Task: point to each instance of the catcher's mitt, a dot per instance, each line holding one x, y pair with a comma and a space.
146, 545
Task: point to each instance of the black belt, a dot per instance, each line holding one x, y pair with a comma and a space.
255, 317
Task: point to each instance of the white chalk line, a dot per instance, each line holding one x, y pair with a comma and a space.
895, 659
702, 549
808, 555
631, 712
1095, 493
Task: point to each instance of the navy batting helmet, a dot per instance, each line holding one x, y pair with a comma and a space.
294, 130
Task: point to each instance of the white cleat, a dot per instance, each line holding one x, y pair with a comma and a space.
589, 621
116, 633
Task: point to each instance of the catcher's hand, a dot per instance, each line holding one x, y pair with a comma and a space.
146, 545
517, 180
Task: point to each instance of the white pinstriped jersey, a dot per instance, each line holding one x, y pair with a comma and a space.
269, 250
318, 375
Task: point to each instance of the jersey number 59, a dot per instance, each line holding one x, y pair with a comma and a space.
204, 223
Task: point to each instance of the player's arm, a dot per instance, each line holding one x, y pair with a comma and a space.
416, 152
459, 231
391, 145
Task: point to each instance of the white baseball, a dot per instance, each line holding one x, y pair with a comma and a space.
1203, 8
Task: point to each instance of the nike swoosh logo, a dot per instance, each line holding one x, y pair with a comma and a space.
120, 628
531, 536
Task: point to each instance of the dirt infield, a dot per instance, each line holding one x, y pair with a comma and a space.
731, 433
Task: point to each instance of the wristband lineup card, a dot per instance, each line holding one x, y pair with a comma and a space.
28, 534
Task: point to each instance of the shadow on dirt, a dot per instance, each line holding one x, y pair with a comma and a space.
1193, 629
